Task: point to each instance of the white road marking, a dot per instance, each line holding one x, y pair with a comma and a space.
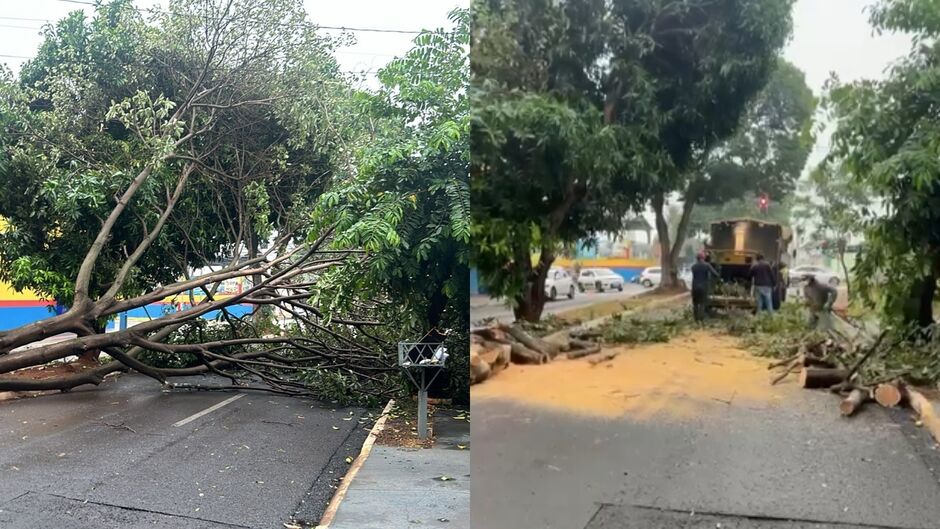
210, 409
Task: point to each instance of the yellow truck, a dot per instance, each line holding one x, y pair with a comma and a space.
733, 247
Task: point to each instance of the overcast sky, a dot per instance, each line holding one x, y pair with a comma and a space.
372, 50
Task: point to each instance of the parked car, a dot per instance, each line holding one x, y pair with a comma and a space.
650, 277
599, 279
558, 281
823, 274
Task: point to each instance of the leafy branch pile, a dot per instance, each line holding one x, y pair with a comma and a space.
634, 330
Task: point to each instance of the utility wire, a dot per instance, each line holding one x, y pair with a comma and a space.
19, 27
341, 28
25, 18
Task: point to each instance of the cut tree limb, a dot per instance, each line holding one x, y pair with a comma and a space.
855, 400
532, 342
585, 351
924, 408
521, 354
818, 377
603, 358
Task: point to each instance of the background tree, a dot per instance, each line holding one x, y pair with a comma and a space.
147, 149
549, 166
701, 95
767, 153
886, 137
833, 210
407, 202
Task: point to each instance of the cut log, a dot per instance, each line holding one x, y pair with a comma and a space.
561, 339
815, 361
479, 370
820, 377
797, 361
586, 334
521, 354
855, 400
586, 351
600, 359
494, 352
532, 342
889, 394
493, 334
924, 409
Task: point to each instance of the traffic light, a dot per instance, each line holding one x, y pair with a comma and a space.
763, 202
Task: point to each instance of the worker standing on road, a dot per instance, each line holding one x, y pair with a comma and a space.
702, 273
763, 281
820, 298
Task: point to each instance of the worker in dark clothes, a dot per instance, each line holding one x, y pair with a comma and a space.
820, 298
702, 274
763, 282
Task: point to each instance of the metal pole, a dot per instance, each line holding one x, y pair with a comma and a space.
422, 409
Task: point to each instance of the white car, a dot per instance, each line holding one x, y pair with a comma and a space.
558, 282
599, 279
823, 274
652, 276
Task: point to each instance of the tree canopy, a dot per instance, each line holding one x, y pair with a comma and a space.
886, 138
585, 111
111, 96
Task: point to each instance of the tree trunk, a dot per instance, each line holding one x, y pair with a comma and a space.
845, 270
662, 233
919, 307
530, 303
670, 249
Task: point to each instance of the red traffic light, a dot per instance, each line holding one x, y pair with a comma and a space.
763, 202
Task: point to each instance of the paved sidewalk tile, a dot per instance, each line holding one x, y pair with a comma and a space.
400, 488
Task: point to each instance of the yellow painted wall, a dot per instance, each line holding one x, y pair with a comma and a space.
606, 262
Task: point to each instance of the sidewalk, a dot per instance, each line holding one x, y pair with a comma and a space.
484, 300
404, 488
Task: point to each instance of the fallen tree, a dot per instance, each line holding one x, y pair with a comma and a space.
216, 146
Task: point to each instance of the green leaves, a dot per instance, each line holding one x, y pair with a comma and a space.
887, 140
406, 202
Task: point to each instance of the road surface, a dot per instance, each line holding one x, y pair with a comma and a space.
126, 455
798, 465
493, 308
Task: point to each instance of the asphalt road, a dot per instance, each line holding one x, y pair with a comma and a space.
794, 466
126, 455
495, 309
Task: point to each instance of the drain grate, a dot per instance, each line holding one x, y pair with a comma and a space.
610, 516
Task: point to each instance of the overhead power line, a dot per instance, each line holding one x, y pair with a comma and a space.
19, 27
340, 28
25, 18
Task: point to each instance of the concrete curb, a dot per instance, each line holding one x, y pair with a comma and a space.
340, 493
599, 321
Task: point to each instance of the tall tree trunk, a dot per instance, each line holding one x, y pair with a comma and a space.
670, 249
919, 307
530, 303
845, 269
662, 233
